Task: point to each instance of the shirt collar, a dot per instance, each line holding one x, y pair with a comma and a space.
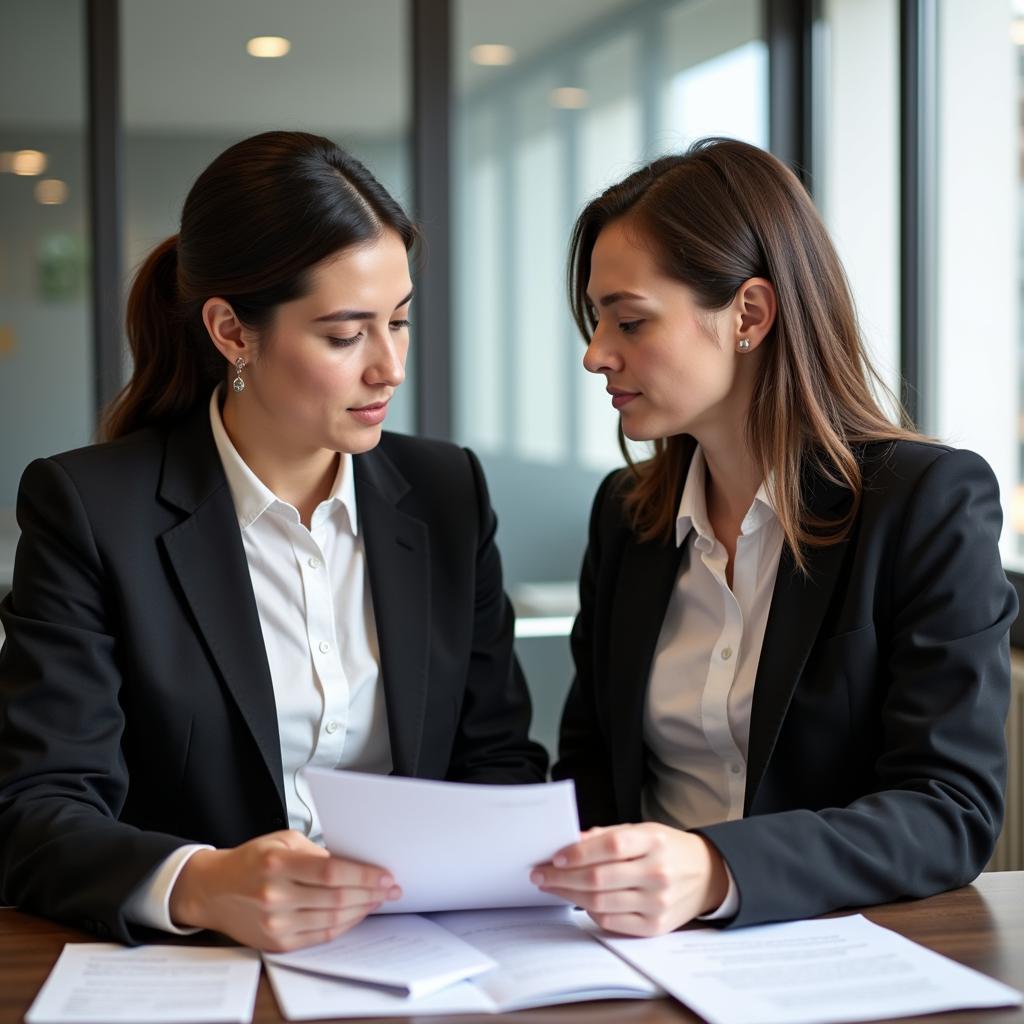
251, 496
693, 507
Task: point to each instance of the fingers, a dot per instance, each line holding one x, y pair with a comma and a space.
281, 933
304, 868
599, 845
595, 878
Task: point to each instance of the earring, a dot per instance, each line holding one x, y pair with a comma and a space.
743, 345
238, 384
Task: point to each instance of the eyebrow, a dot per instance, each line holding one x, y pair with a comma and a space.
341, 315
610, 300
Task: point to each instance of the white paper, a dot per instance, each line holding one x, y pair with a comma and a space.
98, 982
543, 959
403, 951
843, 969
449, 845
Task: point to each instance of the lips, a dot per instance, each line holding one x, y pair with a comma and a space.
371, 414
621, 397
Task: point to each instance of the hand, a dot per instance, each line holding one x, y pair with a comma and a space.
638, 879
277, 892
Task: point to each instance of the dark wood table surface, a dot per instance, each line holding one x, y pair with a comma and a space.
981, 925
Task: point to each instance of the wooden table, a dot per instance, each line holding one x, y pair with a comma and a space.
981, 925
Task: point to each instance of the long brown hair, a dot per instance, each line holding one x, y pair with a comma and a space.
717, 215
254, 224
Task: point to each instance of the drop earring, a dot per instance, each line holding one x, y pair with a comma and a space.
743, 345
238, 384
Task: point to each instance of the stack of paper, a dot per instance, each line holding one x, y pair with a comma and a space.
541, 958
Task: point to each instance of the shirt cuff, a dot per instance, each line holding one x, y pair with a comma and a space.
150, 903
729, 906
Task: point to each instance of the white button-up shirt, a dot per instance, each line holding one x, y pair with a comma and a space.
697, 712
316, 613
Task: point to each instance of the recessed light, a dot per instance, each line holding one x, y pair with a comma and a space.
23, 161
493, 55
569, 98
267, 46
51, 191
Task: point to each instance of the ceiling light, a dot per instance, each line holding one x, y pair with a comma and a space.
493, 55
23, 161
51, 191
1017, 31
267, 46
569, 98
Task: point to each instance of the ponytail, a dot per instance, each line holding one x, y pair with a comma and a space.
174, 370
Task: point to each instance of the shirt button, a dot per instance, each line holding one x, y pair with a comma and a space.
726, 653
315, 563
324, 646
734, 768
331, 728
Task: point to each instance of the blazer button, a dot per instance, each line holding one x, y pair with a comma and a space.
277, 822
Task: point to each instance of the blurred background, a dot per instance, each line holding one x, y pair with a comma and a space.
493, 122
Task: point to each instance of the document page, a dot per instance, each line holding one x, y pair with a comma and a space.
449, 845
808, 972
99, 982
403, 951
544, 958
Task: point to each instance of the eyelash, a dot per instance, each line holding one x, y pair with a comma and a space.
395, 325
629, 326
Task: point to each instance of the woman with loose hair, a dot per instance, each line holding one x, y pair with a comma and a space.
792, 668
249, 578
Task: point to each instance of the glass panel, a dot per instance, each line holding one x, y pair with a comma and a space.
330, 82
856, 184
46, 366
977, 386
565, 99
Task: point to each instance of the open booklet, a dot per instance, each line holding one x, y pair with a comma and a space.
542, 958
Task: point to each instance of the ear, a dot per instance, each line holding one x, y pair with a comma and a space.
755, 306
232, 338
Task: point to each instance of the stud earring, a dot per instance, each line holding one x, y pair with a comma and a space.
238, 384
743, 345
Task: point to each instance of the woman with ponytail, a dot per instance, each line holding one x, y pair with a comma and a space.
248, 578
792, 667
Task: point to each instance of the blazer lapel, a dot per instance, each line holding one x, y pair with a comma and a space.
398, 563
206, 554
798, 606
647, 575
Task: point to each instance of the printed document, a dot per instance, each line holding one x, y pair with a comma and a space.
808, 972
403, 951
449, 845
101, 982
542, 958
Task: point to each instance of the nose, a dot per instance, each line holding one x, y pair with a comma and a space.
601, 357
388, 363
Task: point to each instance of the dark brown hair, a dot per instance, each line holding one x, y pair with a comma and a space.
716, 216
254, 224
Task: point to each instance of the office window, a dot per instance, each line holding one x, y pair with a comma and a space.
856, 162
977, 391
46, 370
191, 89
554, 103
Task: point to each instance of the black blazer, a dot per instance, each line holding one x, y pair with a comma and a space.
877, 757
136, 706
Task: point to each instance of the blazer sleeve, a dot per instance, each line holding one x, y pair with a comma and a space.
63, 779
936, 808
492, 739
583, 753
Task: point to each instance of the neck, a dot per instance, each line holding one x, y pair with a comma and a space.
733, 478
301, 477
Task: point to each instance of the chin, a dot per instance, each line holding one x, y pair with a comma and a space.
357, 443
